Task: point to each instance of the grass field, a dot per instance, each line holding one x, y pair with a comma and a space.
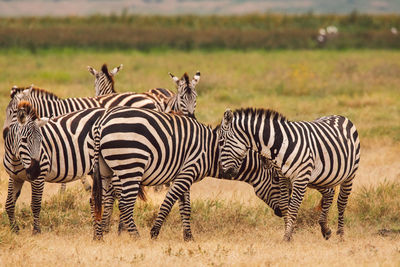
230, 225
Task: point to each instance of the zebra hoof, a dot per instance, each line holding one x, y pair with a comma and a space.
98, 237
327, 234
15, 228
121, 227
287, 238
154, 233
187, 236
36, 231
134, 234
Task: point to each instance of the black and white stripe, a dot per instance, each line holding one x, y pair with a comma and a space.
145, 147
59, 150
319, 154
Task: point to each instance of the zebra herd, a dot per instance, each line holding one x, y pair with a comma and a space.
130, 140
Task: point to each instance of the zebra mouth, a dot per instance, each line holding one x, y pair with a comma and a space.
191, 115
229, 173
278, 212
33, 171
5, 132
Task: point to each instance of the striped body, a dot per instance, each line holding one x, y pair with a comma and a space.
320, 154
144, 147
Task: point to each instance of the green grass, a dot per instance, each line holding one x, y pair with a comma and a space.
303, 85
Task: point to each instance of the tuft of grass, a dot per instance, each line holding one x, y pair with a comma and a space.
378, 205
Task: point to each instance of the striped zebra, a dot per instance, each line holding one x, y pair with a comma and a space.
153, 148
104, 79
184, 100
59, 150
320, 154
48, 104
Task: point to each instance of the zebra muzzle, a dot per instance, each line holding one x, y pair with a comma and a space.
33, 171
5, 132
278, 212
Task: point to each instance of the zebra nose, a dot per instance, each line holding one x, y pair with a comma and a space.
278, 212
191, 115
5, 132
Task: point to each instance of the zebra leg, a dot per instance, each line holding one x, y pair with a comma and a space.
326, 202
14, 190
36, 204
345, 190
178, 188
129, 195
109, 198
63, 187
185, 210
285, 186
299, 189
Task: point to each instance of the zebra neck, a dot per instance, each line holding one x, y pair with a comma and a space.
271, 139
213, 156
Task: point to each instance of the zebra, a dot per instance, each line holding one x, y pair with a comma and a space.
104, 79
320, 154
48, 104
184, 100
59, 150
146, 147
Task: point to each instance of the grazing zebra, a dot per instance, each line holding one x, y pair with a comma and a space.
59, 150
145, 147
48, 104
320, 154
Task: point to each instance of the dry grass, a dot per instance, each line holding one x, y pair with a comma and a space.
230, 225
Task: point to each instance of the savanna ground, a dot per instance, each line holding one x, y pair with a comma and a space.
230, 224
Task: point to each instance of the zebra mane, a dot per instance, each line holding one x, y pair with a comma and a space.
268, 113
104, 69
37, 91
29, 110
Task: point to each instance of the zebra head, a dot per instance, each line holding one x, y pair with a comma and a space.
104, 79
268, 188
29, 138
233, 146
17, 95
185, 99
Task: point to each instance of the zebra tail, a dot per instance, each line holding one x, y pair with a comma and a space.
97, 191
142, 193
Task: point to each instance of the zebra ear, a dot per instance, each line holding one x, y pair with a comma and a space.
92, 70
14, 90
196, 79
42, 121
116, 69
28, 91
176, 79
228, 116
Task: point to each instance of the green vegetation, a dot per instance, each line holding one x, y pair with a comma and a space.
303, 85
268, 31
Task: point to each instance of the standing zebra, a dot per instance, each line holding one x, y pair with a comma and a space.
152, 148
59, 150
184, 100
48, 104
320, 154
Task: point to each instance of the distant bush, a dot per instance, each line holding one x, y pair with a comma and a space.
268, 31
